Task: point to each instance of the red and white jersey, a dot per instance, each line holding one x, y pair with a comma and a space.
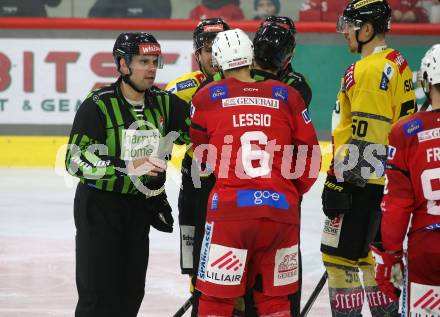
257, 132
412, 178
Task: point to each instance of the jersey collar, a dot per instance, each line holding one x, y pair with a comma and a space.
379, 49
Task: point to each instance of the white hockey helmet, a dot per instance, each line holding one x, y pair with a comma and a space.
232, 49
425, 60
429, 72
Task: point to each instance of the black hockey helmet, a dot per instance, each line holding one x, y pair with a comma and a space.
357, 12
285, 22
138, 43
206, 31
274, 43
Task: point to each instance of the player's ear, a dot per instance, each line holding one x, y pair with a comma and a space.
368, 29
123, 66
197, 56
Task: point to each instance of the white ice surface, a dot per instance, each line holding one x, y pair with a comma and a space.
37, 250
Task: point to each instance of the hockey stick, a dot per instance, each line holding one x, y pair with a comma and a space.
186, 305
314, 295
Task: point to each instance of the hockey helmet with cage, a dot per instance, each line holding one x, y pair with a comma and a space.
137, 43
206, 30
357, 12
274, 43
430, 69
232, 49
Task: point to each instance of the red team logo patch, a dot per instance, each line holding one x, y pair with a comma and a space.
225, 265
430, 301
228, 261
425, 300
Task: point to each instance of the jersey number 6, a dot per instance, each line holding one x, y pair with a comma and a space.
248, 154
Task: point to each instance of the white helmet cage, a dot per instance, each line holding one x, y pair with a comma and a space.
232, 49
429, 72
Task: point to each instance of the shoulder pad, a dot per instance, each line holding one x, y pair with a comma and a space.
298, 76
293, 77
398, 59
100, 92
186, 84
412, 126
349, 77
218, 91
157, 90
200, 77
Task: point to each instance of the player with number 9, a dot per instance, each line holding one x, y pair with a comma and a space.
413, 194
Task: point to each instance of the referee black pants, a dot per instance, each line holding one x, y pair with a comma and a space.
111, 252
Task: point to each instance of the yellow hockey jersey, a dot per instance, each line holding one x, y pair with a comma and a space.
375, 93
186, 85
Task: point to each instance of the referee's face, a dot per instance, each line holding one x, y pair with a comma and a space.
143, 70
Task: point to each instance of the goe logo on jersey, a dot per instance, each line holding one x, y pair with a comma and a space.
252, 198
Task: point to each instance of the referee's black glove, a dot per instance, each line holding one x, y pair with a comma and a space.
162, 218
336, 197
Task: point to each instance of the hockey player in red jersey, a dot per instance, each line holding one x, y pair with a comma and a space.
246, 131
413, 189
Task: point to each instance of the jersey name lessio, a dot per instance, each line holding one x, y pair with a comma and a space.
249, 127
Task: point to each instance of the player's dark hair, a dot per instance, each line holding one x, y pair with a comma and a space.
206, 31
127, 45
274, 43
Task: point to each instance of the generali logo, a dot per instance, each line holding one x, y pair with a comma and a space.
286, 266
149, 49
289, 263
228, 262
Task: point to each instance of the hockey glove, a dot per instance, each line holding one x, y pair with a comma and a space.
388, 270
162, 219
336, 197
